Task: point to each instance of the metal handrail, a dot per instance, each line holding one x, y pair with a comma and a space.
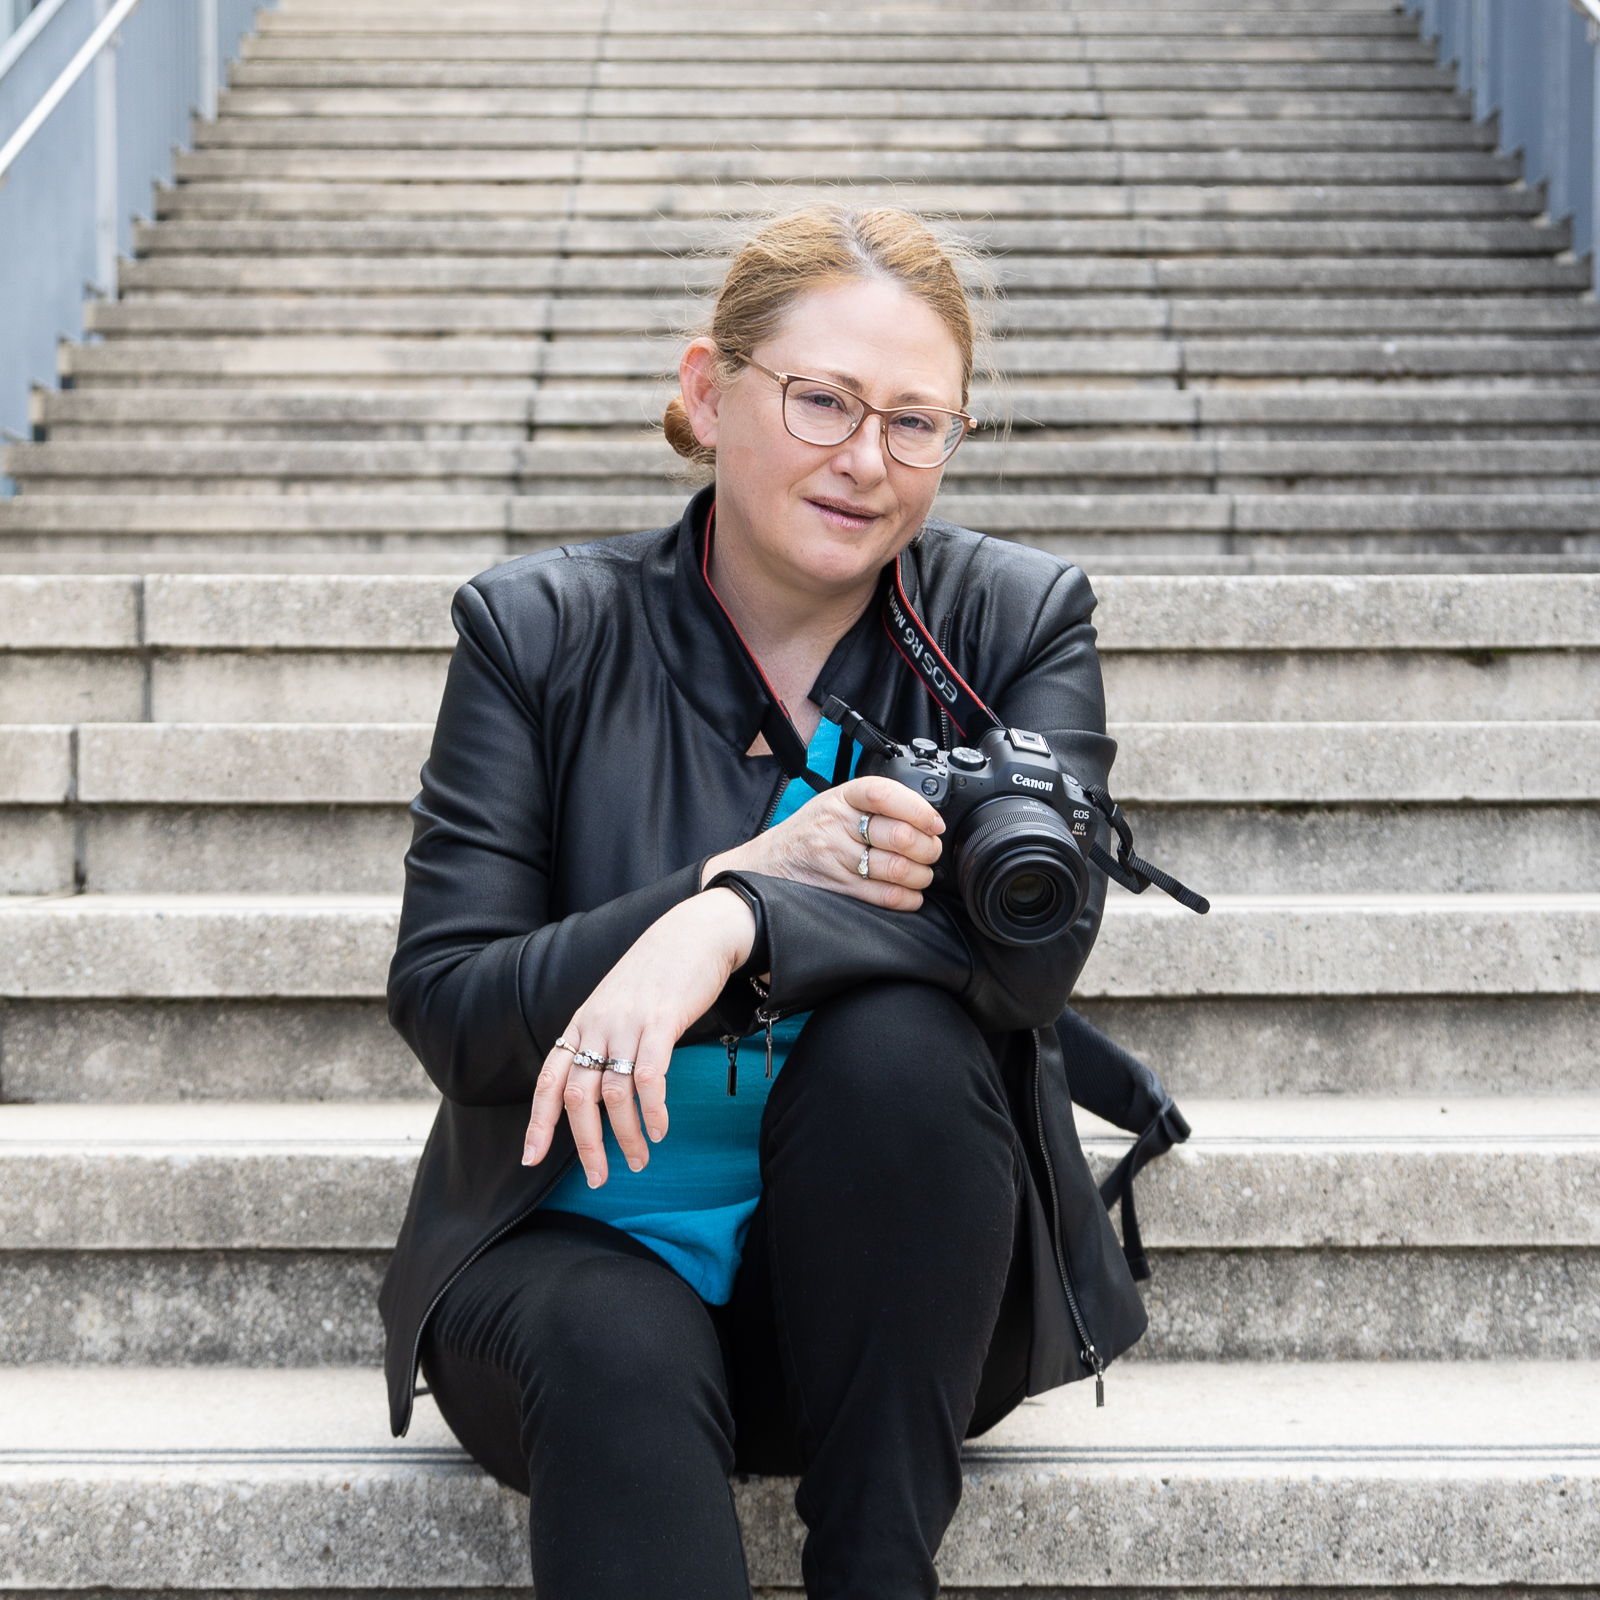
58, 91
32, 26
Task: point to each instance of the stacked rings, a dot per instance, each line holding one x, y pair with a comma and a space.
587, 1058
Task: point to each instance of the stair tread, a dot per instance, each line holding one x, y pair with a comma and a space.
1278, 1464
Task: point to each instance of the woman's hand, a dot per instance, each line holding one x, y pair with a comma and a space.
669, 978
822, 844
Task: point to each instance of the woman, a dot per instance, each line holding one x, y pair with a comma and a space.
887, 1235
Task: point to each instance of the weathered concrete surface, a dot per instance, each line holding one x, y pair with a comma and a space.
1356, 849
304, 1308
1369, 612
1385, 1044
248, 1176
1336, 1171
200, 946
267, 763
166, 1050
1366, 1305
1363, 1474
1354, 762
191, 1308
346, 612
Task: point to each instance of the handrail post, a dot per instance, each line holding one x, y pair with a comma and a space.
105, 162
208, 59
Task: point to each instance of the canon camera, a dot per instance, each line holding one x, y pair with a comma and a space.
1018, 827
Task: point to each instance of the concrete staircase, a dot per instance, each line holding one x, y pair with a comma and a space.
1298, 370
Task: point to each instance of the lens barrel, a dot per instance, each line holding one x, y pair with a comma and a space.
1020, 871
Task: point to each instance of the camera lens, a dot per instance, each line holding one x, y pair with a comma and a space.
1020, 871
1029, 896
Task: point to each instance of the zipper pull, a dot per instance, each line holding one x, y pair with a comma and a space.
1092, 1356
764, 1015
732, 1042
1099, 1390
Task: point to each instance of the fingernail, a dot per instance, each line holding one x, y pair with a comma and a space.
636, 1166
655, 1136
594, 1182
527, 1156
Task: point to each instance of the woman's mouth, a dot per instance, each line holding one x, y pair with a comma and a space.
843, 514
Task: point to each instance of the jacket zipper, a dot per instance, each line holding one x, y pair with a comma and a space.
445, 1287
1090, 1354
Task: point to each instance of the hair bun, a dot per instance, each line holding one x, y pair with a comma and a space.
680, 435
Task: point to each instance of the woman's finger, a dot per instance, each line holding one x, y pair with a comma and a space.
899, 838
546, 1112
891, 799
616, 1090
582, 1101
650, 1080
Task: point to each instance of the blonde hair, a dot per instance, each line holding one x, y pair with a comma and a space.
819, 247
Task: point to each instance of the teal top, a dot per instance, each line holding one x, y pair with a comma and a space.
693, 1202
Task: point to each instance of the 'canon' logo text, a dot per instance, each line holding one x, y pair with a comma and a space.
1033, 783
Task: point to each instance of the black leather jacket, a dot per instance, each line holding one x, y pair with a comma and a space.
590, 756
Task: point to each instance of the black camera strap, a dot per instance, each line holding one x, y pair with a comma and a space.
972, 718
953, 694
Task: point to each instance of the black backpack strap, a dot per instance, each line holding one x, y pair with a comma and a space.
1168, 1128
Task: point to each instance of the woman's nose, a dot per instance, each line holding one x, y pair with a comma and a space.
862, 454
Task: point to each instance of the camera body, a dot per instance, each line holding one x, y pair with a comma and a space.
1018, 828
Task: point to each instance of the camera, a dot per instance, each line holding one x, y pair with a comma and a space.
1018, 827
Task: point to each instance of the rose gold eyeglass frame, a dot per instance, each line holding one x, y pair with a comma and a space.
784, 379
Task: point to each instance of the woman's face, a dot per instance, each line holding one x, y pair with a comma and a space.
824, 519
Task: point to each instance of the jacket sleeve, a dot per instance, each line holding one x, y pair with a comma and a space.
822, 942
477, 996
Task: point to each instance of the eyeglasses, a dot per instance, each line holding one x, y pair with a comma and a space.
815, 412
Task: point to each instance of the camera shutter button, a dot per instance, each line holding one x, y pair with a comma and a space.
925, 748
966, 758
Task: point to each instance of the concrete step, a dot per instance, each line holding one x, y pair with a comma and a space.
476, 530
1140, 127
1348, 1473
508, 194
663, 111
179, 649
318, 158
456, 67
510, 412
349, 275
338, 947
1463, 807
158, 1225
1018, 465
687, 50
440, 314
670, 238
374, 358
132, 997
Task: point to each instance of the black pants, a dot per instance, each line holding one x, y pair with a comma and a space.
877, 1319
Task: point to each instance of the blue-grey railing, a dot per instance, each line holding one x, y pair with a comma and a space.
1535, 64
70, 196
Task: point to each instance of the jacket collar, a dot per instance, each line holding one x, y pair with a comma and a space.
702, 650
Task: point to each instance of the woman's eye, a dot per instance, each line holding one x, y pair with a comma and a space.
821, 400
915, 422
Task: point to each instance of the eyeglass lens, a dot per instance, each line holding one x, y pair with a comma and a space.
817, 413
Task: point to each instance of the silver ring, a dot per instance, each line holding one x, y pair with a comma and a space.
587, 1058
863, 865
561, 1044
861, 828
620, 1065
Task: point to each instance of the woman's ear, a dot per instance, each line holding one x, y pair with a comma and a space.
697, 383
